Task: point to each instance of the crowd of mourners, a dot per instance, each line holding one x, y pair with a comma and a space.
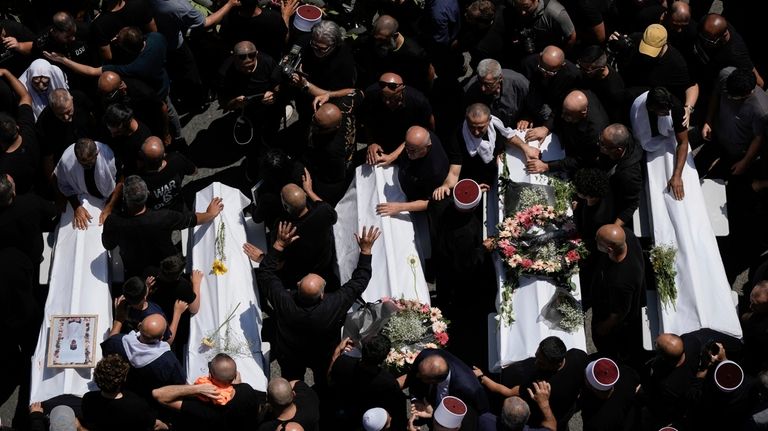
93, 95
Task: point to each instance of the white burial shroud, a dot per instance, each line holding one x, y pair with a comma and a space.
78, 285
220, 294
520, 340
397, 261
703, 292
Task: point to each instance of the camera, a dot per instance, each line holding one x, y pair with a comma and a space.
528, 40
290, 63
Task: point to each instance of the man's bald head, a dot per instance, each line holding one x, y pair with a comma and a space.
552, 57
680, 10
433, 369
109, 82
575, 106
611, 239
280, 393
153, 153
391, 78
223, 368
328, 116
294, 199
714, 26
311, 288
244, 47
385, 26
152, 328
417, 142
670, 346
758, 298
290, 426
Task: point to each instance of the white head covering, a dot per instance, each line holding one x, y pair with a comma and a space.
602, 374
727, 374
306, 17
41, 67
375, 419
466, 194
140, 354
450, 412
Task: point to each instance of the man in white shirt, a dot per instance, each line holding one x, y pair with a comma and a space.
87, 169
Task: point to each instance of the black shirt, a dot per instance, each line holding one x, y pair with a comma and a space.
610, 91
617, 285
56, 135
546, 94
733, 53
361, 388
240, 413
266, 30
420, 177
127, 413
13, 61
234, 83
147, 106
144, 239
668, 70
313, 252
307, 410
566, 383
106, 25
76, 50
410, 61
23, 163
21, 224
335, 71
580, 139
677, 112
165, 185
617, 413
309, 330
127, 148
626, 180
386, 127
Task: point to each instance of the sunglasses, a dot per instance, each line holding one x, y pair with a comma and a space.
246, 56
390, 85
547, 71
320, 49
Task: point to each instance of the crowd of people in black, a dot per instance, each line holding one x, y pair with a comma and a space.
92, 100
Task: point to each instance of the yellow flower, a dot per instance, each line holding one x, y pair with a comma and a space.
218, 267
207, 342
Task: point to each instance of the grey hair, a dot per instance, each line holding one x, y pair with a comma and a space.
328, 32
135, 192
59, 98
478, 110
85, 148
515, 413
487, 67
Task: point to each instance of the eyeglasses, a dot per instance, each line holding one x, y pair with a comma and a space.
710, 42
319, 48
246, 56
548, 72
390, 85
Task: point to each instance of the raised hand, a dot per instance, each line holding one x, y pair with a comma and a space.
286, 235
254, 253
367, 238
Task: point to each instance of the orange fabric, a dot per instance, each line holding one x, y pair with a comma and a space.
226, 393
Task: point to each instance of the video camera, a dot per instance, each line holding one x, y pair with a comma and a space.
290, 63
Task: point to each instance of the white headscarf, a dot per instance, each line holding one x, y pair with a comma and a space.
41, 67
139, 354
481, 146
641, 126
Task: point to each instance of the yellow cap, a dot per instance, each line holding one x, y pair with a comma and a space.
654, 39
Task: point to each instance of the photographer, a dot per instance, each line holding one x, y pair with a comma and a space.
250, 83
531, 25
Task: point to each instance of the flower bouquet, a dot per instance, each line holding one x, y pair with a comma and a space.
538, 241
563, 311
663, 262
414, 327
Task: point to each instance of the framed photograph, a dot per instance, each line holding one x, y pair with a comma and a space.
71, 341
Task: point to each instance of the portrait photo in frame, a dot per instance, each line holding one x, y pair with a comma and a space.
71, 341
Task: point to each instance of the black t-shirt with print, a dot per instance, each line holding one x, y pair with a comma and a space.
165, 185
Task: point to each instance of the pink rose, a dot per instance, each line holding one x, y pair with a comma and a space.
526, 263
572, 256
442, 338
